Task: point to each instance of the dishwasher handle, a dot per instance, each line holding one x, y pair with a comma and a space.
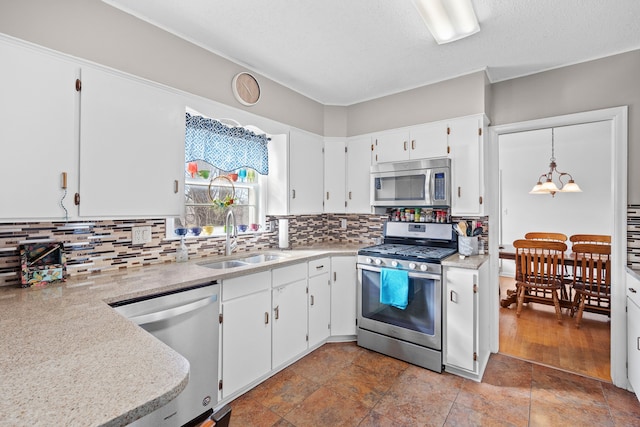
174, 311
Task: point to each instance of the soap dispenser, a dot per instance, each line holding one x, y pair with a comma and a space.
182, 253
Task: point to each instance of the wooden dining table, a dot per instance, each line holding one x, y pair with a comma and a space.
566, 298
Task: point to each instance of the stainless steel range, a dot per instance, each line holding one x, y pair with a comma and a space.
406, 266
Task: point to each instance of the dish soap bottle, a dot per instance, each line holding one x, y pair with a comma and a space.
182, 254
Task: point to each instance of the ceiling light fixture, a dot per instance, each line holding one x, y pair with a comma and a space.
549, 187
448, 20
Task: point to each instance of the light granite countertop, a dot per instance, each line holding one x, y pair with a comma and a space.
471, 262
67, 358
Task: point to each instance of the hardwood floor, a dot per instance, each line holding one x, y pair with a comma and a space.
537, 337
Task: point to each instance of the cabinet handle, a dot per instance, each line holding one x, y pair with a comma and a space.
413, 144
405, 145
349, 195
335, 277
459, 191
633, 291
175, 186
277, 310
294, 194
312, 300
319, 267
266, 317
327, 195
638, 343
453, 297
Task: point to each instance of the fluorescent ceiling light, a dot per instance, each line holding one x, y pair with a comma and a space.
448, 20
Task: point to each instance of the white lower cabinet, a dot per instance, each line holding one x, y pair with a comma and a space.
319, 301
245, 331
289, 309
633, 333
343, 296
271, 318
466, 321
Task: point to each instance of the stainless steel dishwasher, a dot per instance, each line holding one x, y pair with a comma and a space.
187, 321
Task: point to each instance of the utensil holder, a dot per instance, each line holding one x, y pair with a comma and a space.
468, 245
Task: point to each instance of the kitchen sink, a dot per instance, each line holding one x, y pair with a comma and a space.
225, 264
243, 262
257, 259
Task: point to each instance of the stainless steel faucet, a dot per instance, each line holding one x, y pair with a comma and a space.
230, 227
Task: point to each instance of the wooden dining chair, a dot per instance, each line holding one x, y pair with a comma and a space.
539, 272
598, 239
543, 235
591, 279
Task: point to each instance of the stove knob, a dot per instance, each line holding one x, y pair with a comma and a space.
378, 261
412, 265
394, 263
368, 260
423, 267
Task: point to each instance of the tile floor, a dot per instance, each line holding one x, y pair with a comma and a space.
341, 384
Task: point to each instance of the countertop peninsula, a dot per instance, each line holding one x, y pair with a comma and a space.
69, 359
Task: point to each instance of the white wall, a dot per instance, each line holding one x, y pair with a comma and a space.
582, 150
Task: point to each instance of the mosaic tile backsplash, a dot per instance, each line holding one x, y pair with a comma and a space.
95, 246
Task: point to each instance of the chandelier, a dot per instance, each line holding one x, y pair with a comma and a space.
548, 186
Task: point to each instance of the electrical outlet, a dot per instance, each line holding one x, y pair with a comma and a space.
140, 235
343, 223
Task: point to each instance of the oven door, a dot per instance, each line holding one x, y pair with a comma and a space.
419, 323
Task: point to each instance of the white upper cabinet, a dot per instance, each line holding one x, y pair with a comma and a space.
391, 146
334, 175
414, 143
358, 175
306, 170
428, 141
467, 163
38, 129
131, 147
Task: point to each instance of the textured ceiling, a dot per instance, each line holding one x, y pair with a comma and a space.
340, 52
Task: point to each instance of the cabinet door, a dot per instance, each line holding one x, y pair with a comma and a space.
391, 146
428, 141
461, 317
319, 308
38, 130
343, 295
289, 322
131, 147
466, 152
334, 175
306, 171
633, 345
246, 340
358, 175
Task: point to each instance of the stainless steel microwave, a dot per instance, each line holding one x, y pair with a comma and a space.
412, 183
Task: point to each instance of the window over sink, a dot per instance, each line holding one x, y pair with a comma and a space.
225, 168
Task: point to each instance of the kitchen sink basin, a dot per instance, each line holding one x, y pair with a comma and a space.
257, 259
225, 264
243, 262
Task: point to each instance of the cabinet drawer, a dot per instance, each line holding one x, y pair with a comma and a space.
245, 285
319, 266
289, 274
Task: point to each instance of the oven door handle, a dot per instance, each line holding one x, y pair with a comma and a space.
416, 274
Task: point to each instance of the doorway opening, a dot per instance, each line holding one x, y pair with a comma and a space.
612, 205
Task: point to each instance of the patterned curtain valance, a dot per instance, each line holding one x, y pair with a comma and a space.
227, 148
